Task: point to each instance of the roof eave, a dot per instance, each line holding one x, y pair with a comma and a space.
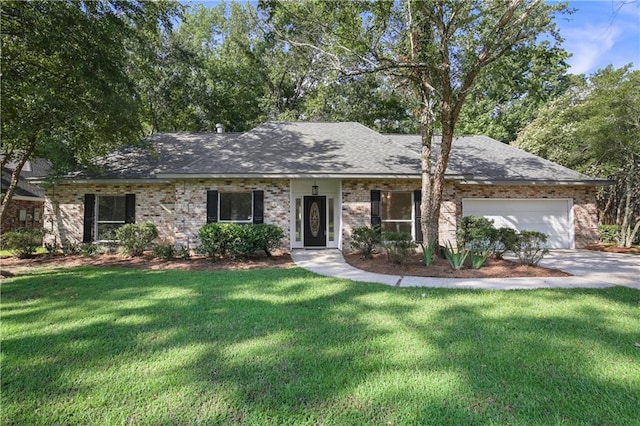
541, 182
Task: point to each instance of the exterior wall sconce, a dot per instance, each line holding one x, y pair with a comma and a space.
314, 189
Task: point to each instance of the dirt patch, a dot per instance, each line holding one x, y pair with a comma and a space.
414, 266
14, 266
614, 249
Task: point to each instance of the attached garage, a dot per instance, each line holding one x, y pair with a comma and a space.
551, 216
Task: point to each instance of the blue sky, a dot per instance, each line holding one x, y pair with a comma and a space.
601, 32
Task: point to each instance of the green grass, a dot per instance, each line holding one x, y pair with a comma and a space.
120, 346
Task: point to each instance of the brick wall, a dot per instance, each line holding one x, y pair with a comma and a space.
178, 209
191, 204
356, 204
64, 208
33, 210
585, 209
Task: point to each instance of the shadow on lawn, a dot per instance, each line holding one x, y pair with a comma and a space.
287, 345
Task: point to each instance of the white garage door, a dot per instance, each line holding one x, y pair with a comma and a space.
553, 217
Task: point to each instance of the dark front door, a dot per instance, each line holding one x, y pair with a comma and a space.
315, 221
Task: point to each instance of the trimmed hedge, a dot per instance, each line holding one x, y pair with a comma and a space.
135, 238
234, 240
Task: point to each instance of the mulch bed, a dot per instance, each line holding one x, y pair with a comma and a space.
413, 265
614, 249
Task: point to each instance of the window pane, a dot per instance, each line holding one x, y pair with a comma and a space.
396, 206
404, 227
111, 208
298, 219
331, 221
236, 206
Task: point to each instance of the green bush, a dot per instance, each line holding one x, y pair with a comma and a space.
365, 239
398, 246
268, 237
89, 249
183, 252
477, 231
135, 238
455, 258
507, 238
529, 247
23, 242
609, 233
234, 240
164, 251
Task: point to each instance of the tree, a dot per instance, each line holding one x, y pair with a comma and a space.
67, 94
595, 128
438, 48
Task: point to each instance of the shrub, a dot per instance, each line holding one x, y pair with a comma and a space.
135, 238
164, 251
609, 233
477, 231
233, 240
89, 249
364, 239
455, 258
529, 247
71, 248
184, 253
268, 237
23, 242
507, 238
398, 246
427, 252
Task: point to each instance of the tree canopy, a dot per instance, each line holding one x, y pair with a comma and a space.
594, 127
67, 91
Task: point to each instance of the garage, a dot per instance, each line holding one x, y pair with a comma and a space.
551, 216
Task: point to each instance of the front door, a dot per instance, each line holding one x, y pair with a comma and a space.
315, 221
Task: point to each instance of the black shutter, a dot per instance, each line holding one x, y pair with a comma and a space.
376, 220
130, 208
417, 200
212, 206
258, 206
89, 217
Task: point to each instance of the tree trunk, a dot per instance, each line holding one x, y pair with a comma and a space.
15, 175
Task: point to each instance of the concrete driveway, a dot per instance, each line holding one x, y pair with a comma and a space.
597, 267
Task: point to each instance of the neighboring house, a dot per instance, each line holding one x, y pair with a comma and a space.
317, 181
26, 207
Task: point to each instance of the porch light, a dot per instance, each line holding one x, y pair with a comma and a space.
314, 189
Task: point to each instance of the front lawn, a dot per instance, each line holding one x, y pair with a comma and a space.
124, 346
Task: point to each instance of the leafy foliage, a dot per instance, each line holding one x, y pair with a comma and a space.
135, 238
428, 251
364, 239
23, 242
234, 240
507, 238
455, 258
594, 128
529, 248
476, 231
478, 257
398, 246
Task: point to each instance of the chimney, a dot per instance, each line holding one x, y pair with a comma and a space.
219, 128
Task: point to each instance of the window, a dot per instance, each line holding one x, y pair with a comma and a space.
110, 215
396, 212
298, 219
236, 207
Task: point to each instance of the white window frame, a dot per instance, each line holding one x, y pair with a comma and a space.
220, 194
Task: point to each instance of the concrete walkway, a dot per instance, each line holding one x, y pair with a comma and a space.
590, 269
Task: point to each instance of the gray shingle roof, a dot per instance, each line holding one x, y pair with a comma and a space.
299, 149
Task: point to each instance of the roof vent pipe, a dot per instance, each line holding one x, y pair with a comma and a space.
219, 128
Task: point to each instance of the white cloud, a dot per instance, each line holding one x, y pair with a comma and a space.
590, 46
